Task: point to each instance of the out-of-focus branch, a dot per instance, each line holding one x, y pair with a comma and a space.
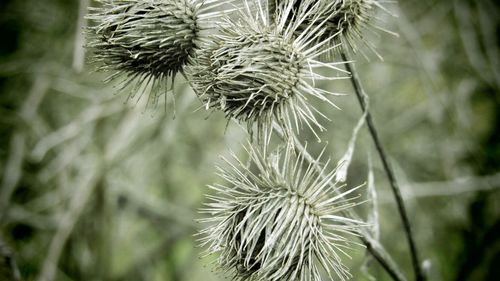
79, 49
446, 188
8, 266
86, 184
13, 169
74, 128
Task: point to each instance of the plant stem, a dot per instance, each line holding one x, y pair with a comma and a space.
362, 98
378, 252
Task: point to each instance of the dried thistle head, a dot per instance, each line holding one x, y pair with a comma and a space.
258, 72
277, 219
149, 41
344, 21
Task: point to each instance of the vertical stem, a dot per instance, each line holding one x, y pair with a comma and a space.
362, 98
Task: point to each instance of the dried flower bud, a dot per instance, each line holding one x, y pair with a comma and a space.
347, 18
259, 73
147, 40
277, 219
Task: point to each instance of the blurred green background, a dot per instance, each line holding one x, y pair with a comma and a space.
97, 188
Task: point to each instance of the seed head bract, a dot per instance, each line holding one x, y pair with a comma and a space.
276, 219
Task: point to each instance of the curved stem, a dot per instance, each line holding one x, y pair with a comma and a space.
383, 258
362, 98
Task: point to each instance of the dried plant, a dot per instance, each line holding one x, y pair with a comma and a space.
349, 19
147, 42
276, 219
283, 216
259, 70
92, 189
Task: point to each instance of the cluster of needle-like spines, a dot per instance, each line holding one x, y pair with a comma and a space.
278, 217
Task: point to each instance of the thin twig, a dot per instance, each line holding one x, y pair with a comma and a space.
78, 48
362, 98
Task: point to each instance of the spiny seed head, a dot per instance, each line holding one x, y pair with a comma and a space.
278, 219
345, 18
259, 72
148, 40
